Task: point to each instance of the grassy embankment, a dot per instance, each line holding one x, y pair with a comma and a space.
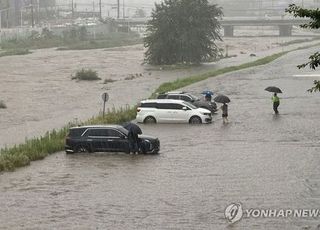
11, 52
53, 141
23, 46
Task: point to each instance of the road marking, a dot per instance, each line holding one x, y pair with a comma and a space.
306, 75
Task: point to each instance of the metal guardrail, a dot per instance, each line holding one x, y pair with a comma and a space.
235, 21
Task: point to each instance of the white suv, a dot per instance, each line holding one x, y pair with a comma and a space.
171, 111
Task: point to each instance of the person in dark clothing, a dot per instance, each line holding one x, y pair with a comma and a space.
276, 103
208, 97
133, 141
224, 109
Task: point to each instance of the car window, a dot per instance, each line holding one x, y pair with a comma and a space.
170, 106
76, 132
103, 132
163, 106
96, 132
162, 96
148, 105
186, 98
114, 133
189, 105
194, 98
123, 130
175, 97
176, 106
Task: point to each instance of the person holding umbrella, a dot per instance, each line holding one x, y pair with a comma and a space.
224, 100
276, 103
224, 109
275, 99
133, 138
207, 95
133, 141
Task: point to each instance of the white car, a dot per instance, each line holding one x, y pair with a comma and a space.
171, 111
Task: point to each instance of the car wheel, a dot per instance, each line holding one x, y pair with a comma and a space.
83, 149
149, 120
155, 152
88, 149
195, 120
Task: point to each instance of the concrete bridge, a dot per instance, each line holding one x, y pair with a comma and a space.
229, 23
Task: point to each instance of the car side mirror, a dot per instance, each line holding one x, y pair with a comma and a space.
184, 108
123, 137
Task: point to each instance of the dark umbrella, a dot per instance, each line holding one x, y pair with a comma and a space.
135, 128
273, 89
207, 92
221, 99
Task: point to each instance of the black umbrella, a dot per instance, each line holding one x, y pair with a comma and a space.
207, 92
221, 99
273, 89
135, 128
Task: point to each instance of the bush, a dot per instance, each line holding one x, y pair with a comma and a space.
108, 80
11, 52
2, 105
86, 75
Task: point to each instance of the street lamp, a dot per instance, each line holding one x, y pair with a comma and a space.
21, 15
1, 16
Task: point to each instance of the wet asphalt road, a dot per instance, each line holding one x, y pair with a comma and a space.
258, 159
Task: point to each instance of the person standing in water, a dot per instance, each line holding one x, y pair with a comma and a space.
224, 109
276, 103
208, 97
133, 141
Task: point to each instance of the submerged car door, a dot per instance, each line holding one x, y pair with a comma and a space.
97, 138
173, 113
180, 113
117, 141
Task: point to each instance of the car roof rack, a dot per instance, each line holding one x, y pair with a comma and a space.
177, 92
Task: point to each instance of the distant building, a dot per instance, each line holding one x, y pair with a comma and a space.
13, 12
234, 8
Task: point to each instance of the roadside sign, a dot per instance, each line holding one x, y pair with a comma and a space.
105, 97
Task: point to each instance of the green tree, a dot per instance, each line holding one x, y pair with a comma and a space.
140, 13
182, 31
314, 16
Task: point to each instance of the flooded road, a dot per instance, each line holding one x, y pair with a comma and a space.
40, 95
258, 159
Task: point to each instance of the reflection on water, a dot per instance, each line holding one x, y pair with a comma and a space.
258, 159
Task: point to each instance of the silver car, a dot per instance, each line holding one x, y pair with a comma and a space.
211, 106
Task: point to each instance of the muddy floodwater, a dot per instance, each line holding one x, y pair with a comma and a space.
259, 159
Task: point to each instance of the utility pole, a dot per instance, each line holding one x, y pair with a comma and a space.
93, 10
124, 15
118, 15
100, 10
38, 14
32, 16
72, 9
6, 15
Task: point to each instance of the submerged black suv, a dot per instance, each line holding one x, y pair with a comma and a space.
106, 138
